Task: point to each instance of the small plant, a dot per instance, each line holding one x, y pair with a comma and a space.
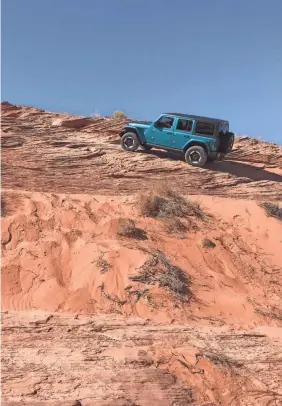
119, 115
114, 299
168, 204
175, 226
208, 243
138, 293
127, 228
103, 265
159, 270
151, 205
272, 210
222, 360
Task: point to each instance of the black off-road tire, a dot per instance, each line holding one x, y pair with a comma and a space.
226, 143
196, 156
130, 142
231, 141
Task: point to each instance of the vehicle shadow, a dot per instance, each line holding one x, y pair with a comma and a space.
242, 170
115, 142
238, 169
175, 156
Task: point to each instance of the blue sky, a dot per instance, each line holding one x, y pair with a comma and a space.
220, 58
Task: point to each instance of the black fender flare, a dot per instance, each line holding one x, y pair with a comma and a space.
194, 143
130, 130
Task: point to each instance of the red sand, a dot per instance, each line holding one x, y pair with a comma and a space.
66, 183
54, 248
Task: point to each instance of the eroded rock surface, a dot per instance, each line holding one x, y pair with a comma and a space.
173, 311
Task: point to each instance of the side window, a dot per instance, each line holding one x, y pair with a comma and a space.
164, 122
204, 128
184, 125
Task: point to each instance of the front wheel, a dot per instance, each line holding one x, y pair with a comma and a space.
196, 156
130, 142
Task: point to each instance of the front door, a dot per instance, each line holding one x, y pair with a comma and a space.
182, 133
161, 132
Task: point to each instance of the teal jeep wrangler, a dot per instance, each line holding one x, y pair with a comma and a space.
200, 139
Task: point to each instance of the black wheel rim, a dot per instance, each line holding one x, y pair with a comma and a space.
129, 142
195, 157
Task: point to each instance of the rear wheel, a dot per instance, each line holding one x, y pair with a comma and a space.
196, 156
230, 141
130, 142
226, 143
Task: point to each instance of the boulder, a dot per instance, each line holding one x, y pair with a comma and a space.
71, 123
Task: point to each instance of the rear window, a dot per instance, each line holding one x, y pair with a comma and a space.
204, 128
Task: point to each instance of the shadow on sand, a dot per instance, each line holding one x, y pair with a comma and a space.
238, 169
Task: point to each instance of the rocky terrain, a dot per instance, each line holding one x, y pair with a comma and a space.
116, 361
132, 278
51, 147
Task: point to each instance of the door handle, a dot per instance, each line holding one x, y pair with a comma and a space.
169, 133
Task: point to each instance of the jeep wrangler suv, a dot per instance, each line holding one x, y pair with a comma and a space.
201, 139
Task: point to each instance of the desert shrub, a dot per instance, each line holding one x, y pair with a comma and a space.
159, 270
272, 209
166, 203
127, 228
208, 243
138, 293
223, 360
113, 298
103, 265
175, 226
119, 115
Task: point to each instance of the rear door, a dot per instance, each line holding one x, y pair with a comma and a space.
182, 133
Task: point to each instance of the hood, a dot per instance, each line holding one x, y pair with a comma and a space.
140, 124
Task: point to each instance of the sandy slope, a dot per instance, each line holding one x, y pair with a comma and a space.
66, 185
59, 250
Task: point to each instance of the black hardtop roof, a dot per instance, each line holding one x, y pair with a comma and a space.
193, 117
